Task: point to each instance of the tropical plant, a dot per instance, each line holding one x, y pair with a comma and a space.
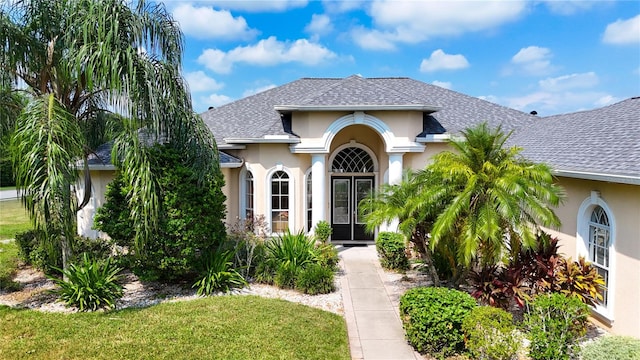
554, 323
322, 231
432, 318
288, 253
579, 279
490, 334
327, 255
77, 60
190, 224
490, 193
391, 251
90, 285
219, 274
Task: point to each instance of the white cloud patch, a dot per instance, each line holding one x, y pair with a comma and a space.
416, 21
532, 60
257, 90
259, 5
207, 23
623, 32
443, 84
199, 81
266, 52
439, 60
320, 25
568, 82
373, 39
568, 7
216, 100
550, 103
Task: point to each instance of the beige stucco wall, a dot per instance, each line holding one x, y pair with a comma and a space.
624, 203
99, 180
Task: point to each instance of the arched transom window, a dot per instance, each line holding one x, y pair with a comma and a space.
599, 244
352, 160
279, 202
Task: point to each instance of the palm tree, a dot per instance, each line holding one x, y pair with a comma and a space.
80, 59
489, 197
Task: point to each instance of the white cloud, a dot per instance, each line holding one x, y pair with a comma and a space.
334, 6
216, 100
416, 21
533, 60
439, 60
260, 89
606, 100
443, 84
320, 25
567, 82
568, 7
199, 81
266, 52
549, 103
259, 5
205, 23
623, 32
373, 39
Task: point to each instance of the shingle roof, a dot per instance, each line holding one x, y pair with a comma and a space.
603, 141
255, 116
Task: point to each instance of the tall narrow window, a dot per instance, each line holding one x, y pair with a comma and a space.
599, 244
248, 196
279, 202
309, 201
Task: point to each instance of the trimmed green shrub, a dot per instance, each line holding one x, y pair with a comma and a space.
322, 231
315, 279
490, 334
90, 285
612, 348
219, 274
327, 255
190, 218
554, 322
432, 319
286, 275
391, 250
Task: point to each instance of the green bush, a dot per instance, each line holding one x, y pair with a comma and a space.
246, 238
315, 279
490, 334
328, 256
555, 322
219, 274
285, 256
612, 348
391, 250
322, 231
286, 276
432, 318
90, 285
190, 218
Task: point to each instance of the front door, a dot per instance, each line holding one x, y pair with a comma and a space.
346, 193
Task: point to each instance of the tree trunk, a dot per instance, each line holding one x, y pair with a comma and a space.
418, 237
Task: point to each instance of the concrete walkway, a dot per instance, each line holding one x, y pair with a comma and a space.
371, 309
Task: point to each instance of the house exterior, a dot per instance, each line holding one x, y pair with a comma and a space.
309, 150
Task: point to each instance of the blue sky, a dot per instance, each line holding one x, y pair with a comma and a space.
549, 56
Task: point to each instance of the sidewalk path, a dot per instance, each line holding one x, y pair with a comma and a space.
8, 194
371, 309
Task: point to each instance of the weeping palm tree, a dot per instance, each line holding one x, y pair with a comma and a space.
491, 198
80, 59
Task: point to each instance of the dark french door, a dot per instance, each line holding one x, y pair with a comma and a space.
346, 193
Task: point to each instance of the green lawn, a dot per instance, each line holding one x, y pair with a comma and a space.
224, 327
13, 219
8, 264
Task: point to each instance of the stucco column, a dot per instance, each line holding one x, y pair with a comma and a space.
318, 186
395, 177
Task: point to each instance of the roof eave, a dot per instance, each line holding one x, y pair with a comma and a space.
434, 138
407, 107
585, 175
274, 139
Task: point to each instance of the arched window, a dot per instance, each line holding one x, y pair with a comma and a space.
280, 197
599, 244
352, 160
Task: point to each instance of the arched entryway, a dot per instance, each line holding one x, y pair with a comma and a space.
352, 168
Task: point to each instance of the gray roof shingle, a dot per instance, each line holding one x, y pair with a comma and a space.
601, 141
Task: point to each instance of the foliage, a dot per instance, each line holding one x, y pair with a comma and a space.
391, 250
190, 223
554, 322
315, 279
499, 287
327, 255
322, 231
219, 327
219, 274
91, 285
8, 266
286, 275
79, 60
612, 347
286, 255
539, 263
490, 334
432, 318
579, 279
246, 238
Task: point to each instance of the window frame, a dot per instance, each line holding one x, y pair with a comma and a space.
269, 198
242, 209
